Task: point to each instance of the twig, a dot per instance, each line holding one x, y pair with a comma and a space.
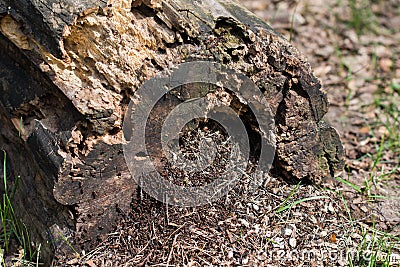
172, 248
166, 209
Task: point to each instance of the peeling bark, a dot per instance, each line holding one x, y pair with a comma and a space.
70, 68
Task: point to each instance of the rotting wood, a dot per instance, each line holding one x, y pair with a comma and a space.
70, 68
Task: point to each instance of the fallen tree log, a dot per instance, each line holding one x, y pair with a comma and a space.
69, 70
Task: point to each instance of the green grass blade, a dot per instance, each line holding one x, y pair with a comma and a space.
300, 201
5, 171
348, 183
290, 195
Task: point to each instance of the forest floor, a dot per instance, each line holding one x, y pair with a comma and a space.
352, 220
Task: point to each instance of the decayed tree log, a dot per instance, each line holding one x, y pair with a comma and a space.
69, 68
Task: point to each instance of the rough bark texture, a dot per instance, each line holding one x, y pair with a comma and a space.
69, 68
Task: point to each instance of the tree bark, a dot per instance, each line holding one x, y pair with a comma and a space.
69, 69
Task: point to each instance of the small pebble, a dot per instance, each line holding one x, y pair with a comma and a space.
323, 233
292, 242
230, 254
368, 238
287, 231
330, 207
364, 209
244, 222
256, 207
